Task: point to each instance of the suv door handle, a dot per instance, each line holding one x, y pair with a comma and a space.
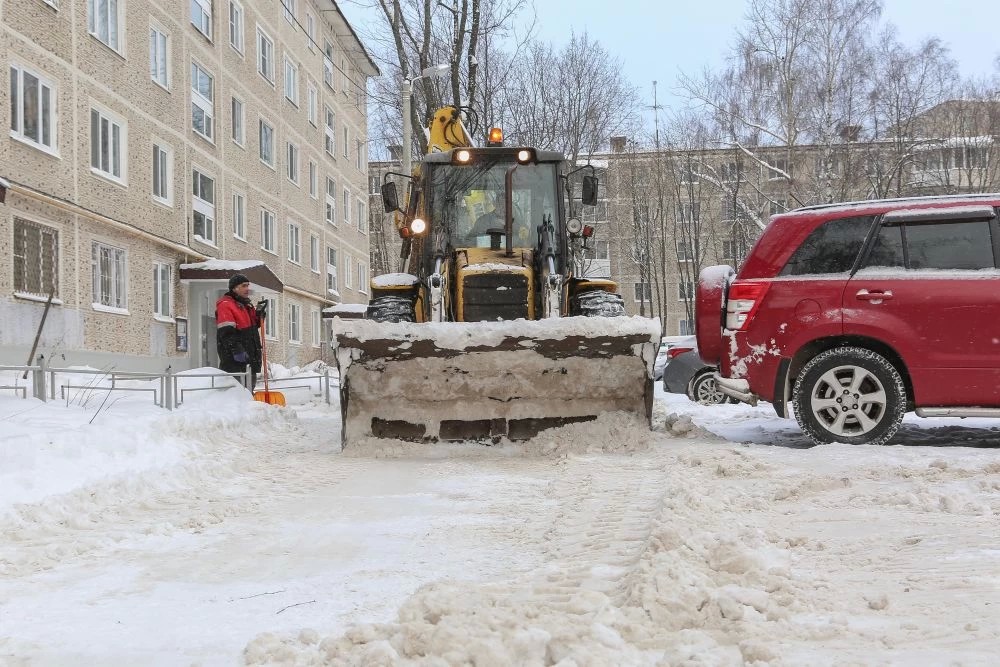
876, 296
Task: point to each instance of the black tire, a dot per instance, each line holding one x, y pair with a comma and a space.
850, 374
703, 390
390, 309
597, 303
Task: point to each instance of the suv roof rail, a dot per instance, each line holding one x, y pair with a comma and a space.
919, 198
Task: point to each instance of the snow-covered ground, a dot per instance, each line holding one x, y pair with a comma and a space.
230, 531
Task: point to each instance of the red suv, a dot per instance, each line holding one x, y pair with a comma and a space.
859, 312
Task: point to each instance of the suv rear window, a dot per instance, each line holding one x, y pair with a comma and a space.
830, 248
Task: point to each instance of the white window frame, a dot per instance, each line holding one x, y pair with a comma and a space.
314, 253
291, 81
270, 325
647, 292
116, 300
165, 162
313, 180
289, 10
199, 204
203, 103
359, 146
159, 56
238, 121
111, 33
294, 243
328, 64
44, 121
163, 291
685, 327
294, 324
201, 17
347, 207
362, 277
359, 210
267, 232
317, 327
266, 157
331, 201
47, 261
312, 103
265, 55
332, 276
347, 137
681, 290
120, 144
237, 24
292, 157
311, 31
239, 204
348, 271
330, 121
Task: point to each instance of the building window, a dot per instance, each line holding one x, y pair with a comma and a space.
158, 58
728, 208
348, 272
317, 327
104, 23
270, 326
598, 249
684, 252
313, 180
162, 173
331, 201
331, 270
289, 10
202, 106
236, 25
345, 140
162, 288
265, 55
729, 172
312, 103
728, 251
36, 258
266, 144
347, 206
108, 138
109, 276
685, 290
33, 108
359, 157
362, 222
267, 230
778, 206
643, 292
203, 207
374, 185
311, 31
294, 323
331, 133
689, 213
239, 135
314, 253
239, 216
294, 235
328, 64
293, 162
201, 16
362, 278
685, 327
291, 81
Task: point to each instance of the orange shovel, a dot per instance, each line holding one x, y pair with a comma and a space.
266, 396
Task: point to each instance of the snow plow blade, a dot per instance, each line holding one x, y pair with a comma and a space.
490, 380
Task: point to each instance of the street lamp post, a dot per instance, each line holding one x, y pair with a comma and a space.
435, 70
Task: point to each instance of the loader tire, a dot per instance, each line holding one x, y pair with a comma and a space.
391, 309
597, 303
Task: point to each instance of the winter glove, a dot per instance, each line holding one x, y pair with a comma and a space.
241, 357
262, 309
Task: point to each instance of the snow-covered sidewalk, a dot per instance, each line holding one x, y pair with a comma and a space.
230, 531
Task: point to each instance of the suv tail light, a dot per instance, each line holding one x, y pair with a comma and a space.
744, 300
675, 351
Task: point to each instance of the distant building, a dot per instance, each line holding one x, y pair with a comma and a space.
152, 147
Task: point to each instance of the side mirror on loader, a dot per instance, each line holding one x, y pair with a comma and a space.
589, 196
390, 200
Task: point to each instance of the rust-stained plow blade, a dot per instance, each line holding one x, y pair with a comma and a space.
488, 380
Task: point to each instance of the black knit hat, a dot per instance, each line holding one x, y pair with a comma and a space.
237, 279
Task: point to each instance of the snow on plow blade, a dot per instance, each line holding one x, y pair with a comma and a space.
488, 380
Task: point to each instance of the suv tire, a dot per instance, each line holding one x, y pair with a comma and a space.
829, 393
703, 390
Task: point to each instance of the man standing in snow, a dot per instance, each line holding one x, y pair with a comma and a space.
237, 331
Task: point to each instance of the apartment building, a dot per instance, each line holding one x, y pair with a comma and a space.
157, 147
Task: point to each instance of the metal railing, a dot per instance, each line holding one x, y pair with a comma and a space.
169, 392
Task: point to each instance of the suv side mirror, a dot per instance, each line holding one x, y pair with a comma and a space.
589, 196
390, 200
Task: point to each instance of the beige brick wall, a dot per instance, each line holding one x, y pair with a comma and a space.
54, 43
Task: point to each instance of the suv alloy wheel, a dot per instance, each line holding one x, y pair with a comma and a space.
850, 395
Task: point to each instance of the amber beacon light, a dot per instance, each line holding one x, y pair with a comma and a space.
495, 137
